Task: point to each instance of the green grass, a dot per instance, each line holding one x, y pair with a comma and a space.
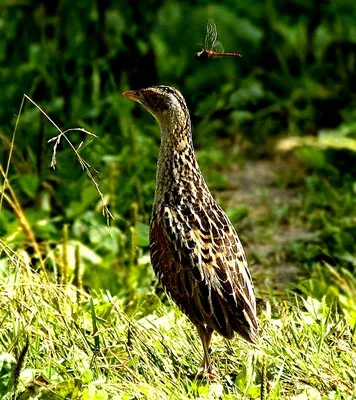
124, 338
94, 350
120, 338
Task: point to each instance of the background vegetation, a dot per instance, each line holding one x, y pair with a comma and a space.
275, 133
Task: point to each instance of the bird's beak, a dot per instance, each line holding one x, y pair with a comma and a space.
135, 95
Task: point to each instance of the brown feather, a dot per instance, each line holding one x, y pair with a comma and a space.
195, 250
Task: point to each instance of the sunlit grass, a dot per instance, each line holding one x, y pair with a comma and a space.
94, 350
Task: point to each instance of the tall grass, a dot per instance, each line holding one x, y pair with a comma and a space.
94, 349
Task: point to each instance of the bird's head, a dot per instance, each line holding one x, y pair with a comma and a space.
165, 103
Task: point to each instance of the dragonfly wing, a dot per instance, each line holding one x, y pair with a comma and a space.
218, 47
211, 34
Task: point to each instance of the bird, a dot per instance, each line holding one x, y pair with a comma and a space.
194, 248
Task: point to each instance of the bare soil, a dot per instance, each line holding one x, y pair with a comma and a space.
269, 190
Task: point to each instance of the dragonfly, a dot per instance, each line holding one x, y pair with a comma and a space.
208, 50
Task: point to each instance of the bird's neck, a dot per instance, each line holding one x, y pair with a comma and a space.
178, 173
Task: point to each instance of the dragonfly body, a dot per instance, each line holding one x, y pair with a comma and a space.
208, 50
204, 54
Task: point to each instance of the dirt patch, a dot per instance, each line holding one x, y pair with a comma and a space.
269, 191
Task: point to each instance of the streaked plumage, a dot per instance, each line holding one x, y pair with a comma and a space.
195, 250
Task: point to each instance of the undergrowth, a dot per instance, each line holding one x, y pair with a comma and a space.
81, 314
87, 321
93, 349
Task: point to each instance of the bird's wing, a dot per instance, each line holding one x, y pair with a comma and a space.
199, 259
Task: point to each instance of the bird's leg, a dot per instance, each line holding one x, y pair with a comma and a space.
206, 346
206, 367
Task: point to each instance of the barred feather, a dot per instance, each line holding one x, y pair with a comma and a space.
195, 250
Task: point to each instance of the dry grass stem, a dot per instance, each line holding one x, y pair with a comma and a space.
21, 217
65, 261
90, 171
10, 153
85, 165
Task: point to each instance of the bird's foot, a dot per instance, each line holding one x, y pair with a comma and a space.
209, 374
